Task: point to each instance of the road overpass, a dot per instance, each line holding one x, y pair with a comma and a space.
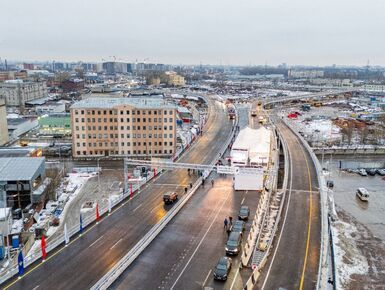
82, 263
294, 262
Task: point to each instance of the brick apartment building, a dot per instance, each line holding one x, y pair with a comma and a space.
135, 127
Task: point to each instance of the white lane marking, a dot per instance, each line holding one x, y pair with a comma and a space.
36, 287
115, 244
95, 241
283, 224
235, 278
137, 207
155, 208
242, 200
201, 241
208, 275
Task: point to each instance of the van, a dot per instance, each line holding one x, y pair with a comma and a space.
233, 244
362, 194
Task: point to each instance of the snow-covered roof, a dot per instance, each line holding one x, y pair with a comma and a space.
246, 138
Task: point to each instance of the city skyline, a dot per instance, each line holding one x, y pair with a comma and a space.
219, 32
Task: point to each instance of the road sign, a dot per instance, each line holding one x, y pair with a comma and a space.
227, 169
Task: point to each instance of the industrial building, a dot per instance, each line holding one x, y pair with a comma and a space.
22, 181
18, 92
123, 127
20, 126
55, 125
3, 123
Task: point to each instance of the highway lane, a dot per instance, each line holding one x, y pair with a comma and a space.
184, 254
82, 263
294, 262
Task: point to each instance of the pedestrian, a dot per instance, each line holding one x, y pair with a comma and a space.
203, 182
190, 185
185, 190
225, 222
230, 220
212, 182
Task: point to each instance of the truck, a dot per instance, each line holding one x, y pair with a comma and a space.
231, 111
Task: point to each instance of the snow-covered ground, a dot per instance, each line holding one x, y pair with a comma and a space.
349, 260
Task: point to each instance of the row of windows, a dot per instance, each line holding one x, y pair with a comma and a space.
128, 152
122, 120
111, 128
135, 135
100, 144
122, 112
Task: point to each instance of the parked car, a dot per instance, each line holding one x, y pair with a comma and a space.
239, 226
170, 197
362, 172
371, 172
222, 269
244, 213
381, 172
233, 244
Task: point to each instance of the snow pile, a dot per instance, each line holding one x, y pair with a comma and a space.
349, 259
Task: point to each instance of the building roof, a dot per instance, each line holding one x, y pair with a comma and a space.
109, 103
19, 168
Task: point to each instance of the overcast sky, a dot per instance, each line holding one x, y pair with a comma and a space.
310, 32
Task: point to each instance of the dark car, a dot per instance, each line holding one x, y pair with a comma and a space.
239, 226
371, 172
170, 197
233, 245
222, 269
244, 213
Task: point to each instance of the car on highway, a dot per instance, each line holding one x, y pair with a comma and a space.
244, 213
239, 226
170, 197
222, 269
233, 244
362, 172
363, 194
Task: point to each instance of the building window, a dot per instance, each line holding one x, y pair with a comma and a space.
99, 112
82, 119
77, 128
138, 151
105, 120
127, 112
170, 135
164, 112
77, 152
128, 152
77, 136
99, 120
121, 120
170, 143
170, 112
165, 120
144, 135
128, 135
76, 120
82, 112
78, 144
128, 120
170, 120
121, 112
122, 143
170, 127
104, 112
170, 151
121, 135
76, 112
93, 112
121, 127
138, 120
138, 112
134, 143
149, 112
138, 135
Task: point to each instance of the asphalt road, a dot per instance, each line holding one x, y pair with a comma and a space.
293, 263
185, 253
88, 258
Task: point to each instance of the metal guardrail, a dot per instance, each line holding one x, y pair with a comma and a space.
126, 261
322, 268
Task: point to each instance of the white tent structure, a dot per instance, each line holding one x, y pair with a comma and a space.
251, 149
259, 153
